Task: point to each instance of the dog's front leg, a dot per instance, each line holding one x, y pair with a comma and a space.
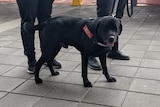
103, 60
86, 82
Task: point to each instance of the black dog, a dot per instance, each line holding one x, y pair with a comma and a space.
92, 37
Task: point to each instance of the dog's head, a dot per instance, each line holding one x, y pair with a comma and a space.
106, 29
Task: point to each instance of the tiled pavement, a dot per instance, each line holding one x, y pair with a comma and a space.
138, 80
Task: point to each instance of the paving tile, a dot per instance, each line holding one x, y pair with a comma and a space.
9, 25
123, 40
66, 49
7, 51
31, 88
148, 73
68, 92
89, 105
11, 38
125, 36
59, 54
19, 72
104, 97
122, 70
74, 50
122, 83
4, 43
149, 63
141, 100
78, 69
76, 78
135, 47
5, 68
15, 44
131, 62
12, 60
71, 57
145, 32
8, 84
134, 53
152, 55
2, 94
142, 37
46, 102
127, 31
68, 65
20, 52
145, 86
154, 48
156, 43
149, 28
15, 100
46, 75
156, 38
139, 42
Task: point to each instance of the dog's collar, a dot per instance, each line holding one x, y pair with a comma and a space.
87, 32
90, 36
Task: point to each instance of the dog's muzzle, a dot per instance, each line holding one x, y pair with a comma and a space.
109, 43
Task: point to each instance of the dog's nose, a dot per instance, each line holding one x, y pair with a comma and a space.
111, 39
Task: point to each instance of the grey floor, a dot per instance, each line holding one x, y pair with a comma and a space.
138, 80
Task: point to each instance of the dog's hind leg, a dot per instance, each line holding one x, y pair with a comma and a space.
50, 61
86, 82
102, 59
53, 73
39, 64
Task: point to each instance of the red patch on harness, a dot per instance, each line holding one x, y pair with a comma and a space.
87, 31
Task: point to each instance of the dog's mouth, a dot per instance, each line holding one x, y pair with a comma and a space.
109, 44
110, 41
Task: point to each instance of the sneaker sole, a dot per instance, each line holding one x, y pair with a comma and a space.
54, 67
93, 68
30, 72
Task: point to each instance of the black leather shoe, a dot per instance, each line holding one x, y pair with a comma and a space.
93, 64
56, 64
118, 55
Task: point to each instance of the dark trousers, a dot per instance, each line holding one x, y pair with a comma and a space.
30, 10
105, 8
120, 8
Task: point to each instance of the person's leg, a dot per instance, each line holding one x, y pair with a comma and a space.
115, 53
120, 8
27, 10
104, 8
44, 13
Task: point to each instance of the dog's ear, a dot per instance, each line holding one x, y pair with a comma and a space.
93, 25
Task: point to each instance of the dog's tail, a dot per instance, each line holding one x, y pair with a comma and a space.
29, 28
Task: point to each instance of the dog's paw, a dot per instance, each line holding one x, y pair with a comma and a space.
38, 81
111, 79
55, 73
87, 84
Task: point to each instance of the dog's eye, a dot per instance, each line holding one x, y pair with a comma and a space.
114, 28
